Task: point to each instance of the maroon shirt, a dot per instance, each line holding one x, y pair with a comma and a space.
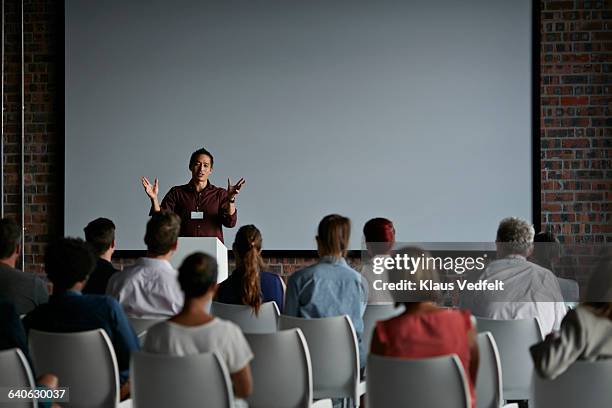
182, 200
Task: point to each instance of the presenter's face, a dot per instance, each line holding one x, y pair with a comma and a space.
201, 168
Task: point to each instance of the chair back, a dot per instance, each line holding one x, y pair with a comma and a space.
195, 380
373, 314
16, 373
83, 361
585, 384
244, 316
282, 371
142, 324
334, 353
427, 382
489, 379
513, 339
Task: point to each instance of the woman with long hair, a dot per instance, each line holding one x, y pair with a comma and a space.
249, 284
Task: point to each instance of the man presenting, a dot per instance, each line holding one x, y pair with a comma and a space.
203, 208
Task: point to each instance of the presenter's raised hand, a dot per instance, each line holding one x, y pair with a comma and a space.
150, 189
233, 190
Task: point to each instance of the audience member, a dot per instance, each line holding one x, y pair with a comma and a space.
25, 290
194, 331
379, 235
546, 253
586, 332
100, 234
529, 289
68, 262
330, 287
248, 284
149, 288
12, 333
424, 329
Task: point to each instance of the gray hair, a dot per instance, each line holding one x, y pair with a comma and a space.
517, 234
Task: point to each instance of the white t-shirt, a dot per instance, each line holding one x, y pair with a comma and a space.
218, 335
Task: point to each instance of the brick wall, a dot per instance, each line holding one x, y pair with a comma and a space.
41, 138
576, 126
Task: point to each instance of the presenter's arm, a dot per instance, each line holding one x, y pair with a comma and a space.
152, 189
229, 206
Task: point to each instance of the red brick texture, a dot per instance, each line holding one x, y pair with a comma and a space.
576, 125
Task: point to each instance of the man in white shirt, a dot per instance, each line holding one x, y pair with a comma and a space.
150, 288
529, 289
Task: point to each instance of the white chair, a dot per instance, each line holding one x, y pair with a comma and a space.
163, 381
85, 362
334, 353
427, 382
585, 384
513, 339
373, 314
282, 371
142, 324
16, 373
264, 322
489, 379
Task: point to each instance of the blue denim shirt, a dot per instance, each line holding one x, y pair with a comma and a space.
71, 312
328, 288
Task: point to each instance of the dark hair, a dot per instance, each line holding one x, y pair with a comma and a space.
247, 247
162, 232
100, 234
68, 261
197, 274
333, 235
381, 232
10, 235
194, 157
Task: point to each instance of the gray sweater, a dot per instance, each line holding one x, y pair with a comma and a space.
583, 336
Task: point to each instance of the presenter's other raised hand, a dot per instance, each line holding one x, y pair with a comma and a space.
233, 190
150, 189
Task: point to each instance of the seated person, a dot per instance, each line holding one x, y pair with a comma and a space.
68, 263
529, 289
149, 289
586, 332
100, 234
248, 284
194, 331
24, 290
379, 235
12, 335
330, 287
424, 329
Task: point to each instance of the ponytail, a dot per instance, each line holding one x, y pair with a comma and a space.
247, 249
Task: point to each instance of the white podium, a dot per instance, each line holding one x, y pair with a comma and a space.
209, 245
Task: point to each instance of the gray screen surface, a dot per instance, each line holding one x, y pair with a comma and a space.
416, 111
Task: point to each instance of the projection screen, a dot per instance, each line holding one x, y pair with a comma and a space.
416, 111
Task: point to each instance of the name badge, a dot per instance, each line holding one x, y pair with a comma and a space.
197, 215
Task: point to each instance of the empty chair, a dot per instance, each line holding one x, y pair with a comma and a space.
197, 380
15, 373
83, 361
334, 354
427, 382
489, 379
513, 339
282, 371
585, 384
142, 324
244, 316
375, 313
